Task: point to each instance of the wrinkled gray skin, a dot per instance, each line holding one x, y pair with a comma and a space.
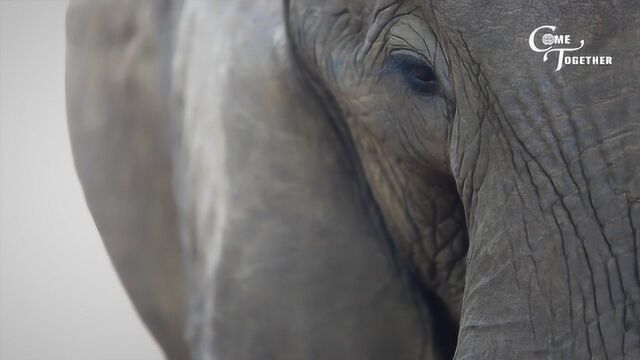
269, 187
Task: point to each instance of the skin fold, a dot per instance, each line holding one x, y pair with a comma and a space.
364, 179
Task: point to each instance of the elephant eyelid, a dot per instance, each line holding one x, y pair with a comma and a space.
417, 73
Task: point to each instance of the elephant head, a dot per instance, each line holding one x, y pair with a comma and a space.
446, 105
364, 179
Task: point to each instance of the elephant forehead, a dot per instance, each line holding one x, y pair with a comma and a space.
502, 17
496, 34
491, 42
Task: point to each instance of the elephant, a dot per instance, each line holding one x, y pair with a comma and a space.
353, 179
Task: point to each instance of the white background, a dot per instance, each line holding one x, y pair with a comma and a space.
59, 296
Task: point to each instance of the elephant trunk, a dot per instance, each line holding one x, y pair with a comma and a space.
553, 205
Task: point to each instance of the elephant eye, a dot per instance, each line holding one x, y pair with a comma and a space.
416, 72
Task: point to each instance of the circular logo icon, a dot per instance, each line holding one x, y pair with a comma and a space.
547, 39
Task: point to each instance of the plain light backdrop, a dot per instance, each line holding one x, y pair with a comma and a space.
59, 296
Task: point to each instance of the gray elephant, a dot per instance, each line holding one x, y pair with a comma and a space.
361, 179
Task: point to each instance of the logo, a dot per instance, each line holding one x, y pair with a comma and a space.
563, 45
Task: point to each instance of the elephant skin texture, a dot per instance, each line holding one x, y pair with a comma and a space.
338, 179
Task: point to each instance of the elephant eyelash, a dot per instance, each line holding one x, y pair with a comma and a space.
417, 73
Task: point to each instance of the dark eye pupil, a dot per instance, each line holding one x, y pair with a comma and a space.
416, 72
423, 73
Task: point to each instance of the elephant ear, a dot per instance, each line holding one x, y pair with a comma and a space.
200, 132
117, 105
286, 257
